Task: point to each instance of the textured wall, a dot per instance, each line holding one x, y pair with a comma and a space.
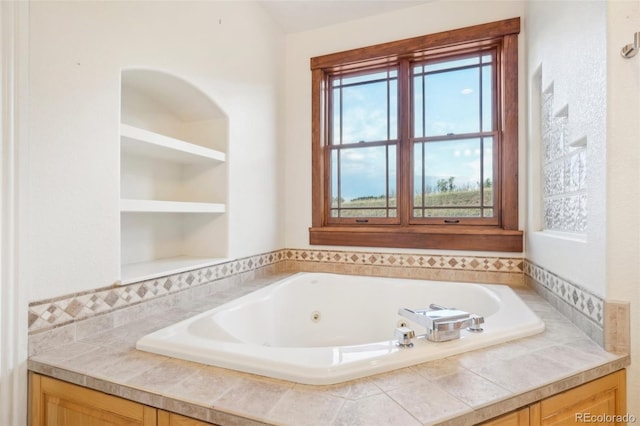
77, 51
566, 156
564, 171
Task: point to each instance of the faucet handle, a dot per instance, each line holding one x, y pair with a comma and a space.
404, 336
475, 323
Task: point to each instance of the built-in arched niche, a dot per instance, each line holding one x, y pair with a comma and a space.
173, 176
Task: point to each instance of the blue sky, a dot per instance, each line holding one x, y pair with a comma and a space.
452, 106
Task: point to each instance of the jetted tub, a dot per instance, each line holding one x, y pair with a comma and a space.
318, 328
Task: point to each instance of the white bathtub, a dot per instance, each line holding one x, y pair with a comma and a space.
318, 328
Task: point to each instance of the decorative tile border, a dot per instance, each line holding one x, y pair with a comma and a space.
51, 313
66, 309
469, 263
588, 304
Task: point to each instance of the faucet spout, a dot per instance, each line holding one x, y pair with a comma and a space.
443, 324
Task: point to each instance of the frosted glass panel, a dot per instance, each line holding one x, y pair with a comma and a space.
564, 171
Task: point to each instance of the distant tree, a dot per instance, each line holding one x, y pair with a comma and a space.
487, 183
446, 185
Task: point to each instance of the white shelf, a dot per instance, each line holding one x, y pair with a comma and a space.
162, 267
154, 145
173, 177
155, 206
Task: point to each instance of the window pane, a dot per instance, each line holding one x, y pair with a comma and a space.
365, 108
487, 99
393, 110
336, 198
437, 66
488, 171
364, 181
379, 75
364, 113
452, 212
450, 175
421, 185
364, 212
418, 106
452, 103
336, 122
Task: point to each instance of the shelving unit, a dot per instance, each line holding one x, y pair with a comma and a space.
154, 145
173, 175
155, 206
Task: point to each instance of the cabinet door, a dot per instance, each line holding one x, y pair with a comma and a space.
516, 418
166, 418
585, 404
57, 403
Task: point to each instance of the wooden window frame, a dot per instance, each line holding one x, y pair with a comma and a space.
504, 236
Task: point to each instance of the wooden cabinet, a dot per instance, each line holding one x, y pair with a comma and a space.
585, 404
166, 418
515, 418
57, 403
602, 401
173, 177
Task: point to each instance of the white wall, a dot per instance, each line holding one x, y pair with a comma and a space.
578, 45
623, 176
230, 50
14, 24
567, 40
300, 47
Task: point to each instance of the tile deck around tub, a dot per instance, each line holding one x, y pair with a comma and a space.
459, 390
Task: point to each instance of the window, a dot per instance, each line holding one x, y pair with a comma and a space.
415, 142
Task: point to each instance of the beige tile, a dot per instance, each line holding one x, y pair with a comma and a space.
579, 354
428, 402
561, 331
47, 340
252, 397
163, 375
617, 324
91, 362
525, 372
472, 389
439, 368
205, 386
129, 364
186, 409
397, 378
480, 357
373, 411
123, 337
58, 373
226, 419
353, 389
63, 353
305, 407
141, 396
94, 325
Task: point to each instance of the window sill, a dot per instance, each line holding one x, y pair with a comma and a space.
423, 237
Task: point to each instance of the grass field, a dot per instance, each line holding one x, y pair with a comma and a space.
449, 205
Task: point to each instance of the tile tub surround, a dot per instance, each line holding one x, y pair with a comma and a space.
48, 314
460, 390
585, 309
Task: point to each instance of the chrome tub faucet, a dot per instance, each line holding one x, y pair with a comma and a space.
442, 323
